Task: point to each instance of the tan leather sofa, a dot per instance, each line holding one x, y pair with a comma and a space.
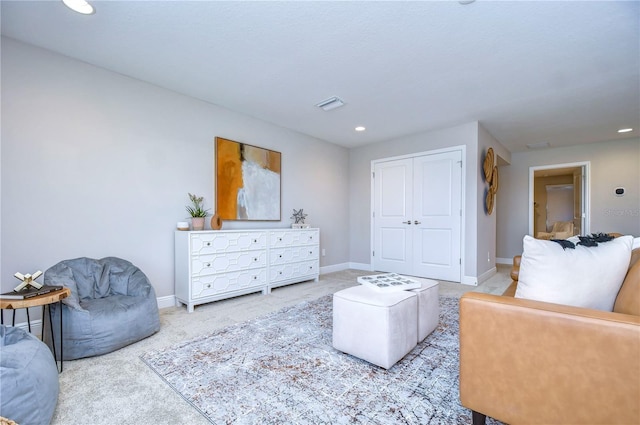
530, 362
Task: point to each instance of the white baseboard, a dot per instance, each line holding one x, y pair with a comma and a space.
507, 261
487, 275
168, 301
36, 326
469, 280
334, 268
361, 266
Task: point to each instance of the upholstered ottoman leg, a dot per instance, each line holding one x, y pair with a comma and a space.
380, 328
428, 307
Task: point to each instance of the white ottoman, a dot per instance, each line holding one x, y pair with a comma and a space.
380, 328
428, 307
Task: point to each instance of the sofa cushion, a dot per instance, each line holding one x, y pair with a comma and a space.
583, 277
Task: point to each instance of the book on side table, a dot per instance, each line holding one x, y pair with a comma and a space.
29, 292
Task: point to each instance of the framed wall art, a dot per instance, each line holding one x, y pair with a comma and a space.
248, 181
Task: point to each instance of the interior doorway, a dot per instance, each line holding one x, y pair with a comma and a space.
559, 196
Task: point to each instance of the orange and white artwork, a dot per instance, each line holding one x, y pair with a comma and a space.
247, 181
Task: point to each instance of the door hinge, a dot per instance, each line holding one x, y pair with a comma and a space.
460, 261
373, 174
374, 214
460, 162
373, 253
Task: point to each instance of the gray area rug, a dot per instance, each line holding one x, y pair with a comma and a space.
282, 369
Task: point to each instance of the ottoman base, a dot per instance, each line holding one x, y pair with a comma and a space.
380, 328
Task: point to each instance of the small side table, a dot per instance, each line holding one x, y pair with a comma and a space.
39, 300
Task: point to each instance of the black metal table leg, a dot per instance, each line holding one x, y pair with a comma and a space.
28, 320
44, 318
53, 340
61, 337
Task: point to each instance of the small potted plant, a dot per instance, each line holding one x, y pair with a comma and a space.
197, 212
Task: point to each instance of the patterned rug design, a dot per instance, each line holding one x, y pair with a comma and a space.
282, 369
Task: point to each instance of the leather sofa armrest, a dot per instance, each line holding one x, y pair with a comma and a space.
524, 361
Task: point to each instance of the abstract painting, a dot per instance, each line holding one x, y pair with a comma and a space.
247, 181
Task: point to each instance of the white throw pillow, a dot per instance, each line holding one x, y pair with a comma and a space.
584, 277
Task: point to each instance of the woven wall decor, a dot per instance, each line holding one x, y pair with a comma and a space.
491, 177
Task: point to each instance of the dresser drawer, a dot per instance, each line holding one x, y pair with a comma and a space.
213, 243
293, 270
207, 286
284, 238
293, 255
223, 263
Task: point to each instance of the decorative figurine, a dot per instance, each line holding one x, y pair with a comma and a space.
28, 280
299, 217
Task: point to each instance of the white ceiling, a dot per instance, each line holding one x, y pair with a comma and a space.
563, 72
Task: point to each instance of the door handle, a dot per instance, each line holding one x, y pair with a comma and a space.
417, 222
406, 222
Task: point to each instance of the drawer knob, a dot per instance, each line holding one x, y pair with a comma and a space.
279, 272
310, 252
255, 241
209, 285
208, 264
255, 278
280, 256
255, 259
208, 243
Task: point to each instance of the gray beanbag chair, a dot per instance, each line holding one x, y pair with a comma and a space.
28, 378
112, 305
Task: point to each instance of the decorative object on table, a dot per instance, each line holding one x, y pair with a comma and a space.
247, 181
29, 292
182, 225
197, 212
112, 304
28, 287
299, 217
28, 280
491, 177
388, 282
216, 222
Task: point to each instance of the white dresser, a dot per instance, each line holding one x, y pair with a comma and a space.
217, 264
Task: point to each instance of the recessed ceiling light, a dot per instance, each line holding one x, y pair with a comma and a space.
625, 130
80, 6
360, 128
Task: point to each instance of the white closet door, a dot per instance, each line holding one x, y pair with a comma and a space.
437, 215
417, 219
393, 236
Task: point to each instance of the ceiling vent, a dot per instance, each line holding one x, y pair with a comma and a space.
542, 145
331, 103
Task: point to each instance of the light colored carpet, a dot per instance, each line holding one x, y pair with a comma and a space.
119, 388
281, 368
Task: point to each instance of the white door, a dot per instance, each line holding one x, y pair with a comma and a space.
417, 216
437, 215
393, 209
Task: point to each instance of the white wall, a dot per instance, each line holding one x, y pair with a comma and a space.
613, 164
97, 164
360, 189
487, 224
